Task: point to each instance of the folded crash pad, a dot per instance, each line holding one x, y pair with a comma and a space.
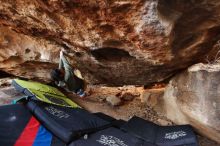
182, 135
43, 92
110, 137
19, 128
66, 123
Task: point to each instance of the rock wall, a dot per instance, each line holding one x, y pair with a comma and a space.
193, 98
114, 42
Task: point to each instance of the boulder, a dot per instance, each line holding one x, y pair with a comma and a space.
193, 97
127, 96
113, 100
112, 42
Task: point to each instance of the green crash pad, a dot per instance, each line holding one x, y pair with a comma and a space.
43, 93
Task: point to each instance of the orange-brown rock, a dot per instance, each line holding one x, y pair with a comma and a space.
112, 41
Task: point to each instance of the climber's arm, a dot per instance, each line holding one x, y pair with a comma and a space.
64, 63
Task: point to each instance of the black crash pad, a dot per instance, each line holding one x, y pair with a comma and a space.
66, 123
182, 135
110, 137
18, 128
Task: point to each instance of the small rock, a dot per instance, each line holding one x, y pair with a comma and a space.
128, 96
118, 94
101, 98
114, 101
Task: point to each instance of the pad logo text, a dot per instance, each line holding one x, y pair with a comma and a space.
111, 141
175, 135
58, 113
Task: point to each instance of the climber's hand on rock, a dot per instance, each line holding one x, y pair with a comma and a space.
64, 51
61, 53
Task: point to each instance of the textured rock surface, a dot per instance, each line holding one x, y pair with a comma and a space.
153, 97
26, 56
127, 96
114, 101
112, 42
194, 97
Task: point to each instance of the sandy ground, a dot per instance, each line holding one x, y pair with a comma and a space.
96, 102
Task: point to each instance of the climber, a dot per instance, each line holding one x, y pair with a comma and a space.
68, 78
